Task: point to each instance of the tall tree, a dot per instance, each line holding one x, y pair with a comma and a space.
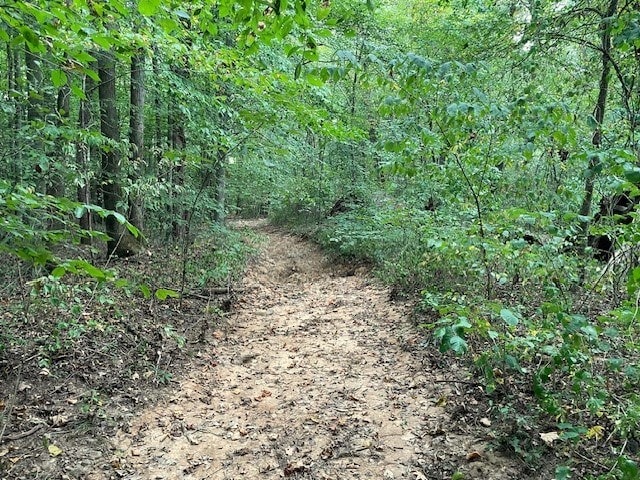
110, 129
83, 155
136, 133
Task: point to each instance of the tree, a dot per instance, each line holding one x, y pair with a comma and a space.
110, 155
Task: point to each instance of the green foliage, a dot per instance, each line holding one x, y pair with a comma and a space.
220, 258
26, 219
452, 145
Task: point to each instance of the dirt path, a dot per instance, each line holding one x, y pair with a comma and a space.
312, 379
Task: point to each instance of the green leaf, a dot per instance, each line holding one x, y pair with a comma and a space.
314, 80
90, 270
458, 344
148, 7
104, 41
133, 230
119, 217
563, 473
509, 317
79, 211
323, 12
629, 469
146, 292
163, 294
59, 271
78, 92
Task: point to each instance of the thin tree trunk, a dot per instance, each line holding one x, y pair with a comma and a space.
83, 157
110, 129
35, 111
178, 142
220, 173
136, 132
14, 121
55, 183
598, 114
157, 108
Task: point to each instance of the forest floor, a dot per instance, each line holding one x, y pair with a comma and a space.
314, 374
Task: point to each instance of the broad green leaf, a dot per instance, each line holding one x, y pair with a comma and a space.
509, 317
148, 7
458, 344
163, 294
119, 217
59, 271
323, 12
104, 41
90, 270
563, 473
78, 92
314, 80
146, 292
79, 211
58, 78
133, 230
629, 469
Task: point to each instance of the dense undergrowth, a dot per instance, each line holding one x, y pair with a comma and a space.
79, 348
550, 334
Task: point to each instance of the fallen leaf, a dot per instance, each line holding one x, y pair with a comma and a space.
485, 421
597, 432
294, 468
54, 451
22, 386
549, 437
3, 452
474, 456
442, 401
59, 420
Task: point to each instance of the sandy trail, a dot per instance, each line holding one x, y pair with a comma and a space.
312, 378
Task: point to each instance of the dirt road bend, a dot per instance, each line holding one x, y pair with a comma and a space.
313, 377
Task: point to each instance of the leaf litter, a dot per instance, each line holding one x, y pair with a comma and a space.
315, 375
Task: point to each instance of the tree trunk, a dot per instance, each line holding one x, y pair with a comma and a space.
219, 215
83, 157
15, 119
157, 108
110, 129
55, 181
598, 114
136, 133
35, 113
178, 142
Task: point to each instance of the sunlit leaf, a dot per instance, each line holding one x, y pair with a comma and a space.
148, 7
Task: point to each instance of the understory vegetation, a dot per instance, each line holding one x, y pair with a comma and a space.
482, 157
